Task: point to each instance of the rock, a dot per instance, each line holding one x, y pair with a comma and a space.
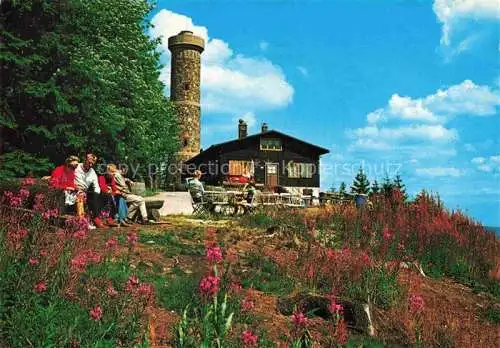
356, 315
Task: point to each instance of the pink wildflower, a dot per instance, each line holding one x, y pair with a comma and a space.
112, 243
145, 290
247, 304
335, 307
214, 254
364, 258
386, 234
33, 261
96, 313
111, 291
248, 338
416, 303
132, 238
209, 285
40, 287
28, 181
299, 319
131, 284
38, 204
23, 194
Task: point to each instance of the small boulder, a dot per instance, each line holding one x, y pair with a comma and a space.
356, 315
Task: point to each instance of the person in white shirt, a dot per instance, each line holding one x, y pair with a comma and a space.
87, 182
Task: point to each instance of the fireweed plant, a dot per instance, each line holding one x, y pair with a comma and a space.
44, 276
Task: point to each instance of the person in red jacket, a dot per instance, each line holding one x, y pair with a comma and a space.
63, 178
108, 190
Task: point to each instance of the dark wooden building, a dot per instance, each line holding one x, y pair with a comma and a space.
271, 157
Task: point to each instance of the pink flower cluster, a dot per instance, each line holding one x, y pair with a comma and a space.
40, 287
112, 243
134, 287
79, 225
15, 238
111, 291
299, 319
132, 238
79, 262
335, 307
209, 286
14, 200
248, 338
50, 213
38, 203
28, 182
416, 303
96, 313
214, 254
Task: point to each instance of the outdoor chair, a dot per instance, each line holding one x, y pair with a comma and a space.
198, 201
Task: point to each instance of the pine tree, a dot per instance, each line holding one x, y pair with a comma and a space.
375, 189
387, 186
342, 190
398, 184
360, 185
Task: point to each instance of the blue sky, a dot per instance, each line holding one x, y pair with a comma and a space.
402, 86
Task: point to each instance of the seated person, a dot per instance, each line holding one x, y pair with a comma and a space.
119, 202
108, 189
87, 182
63, 178
134, 202
196, 187
250, 190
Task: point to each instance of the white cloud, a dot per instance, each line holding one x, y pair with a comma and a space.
414, 123
452, 13
303, 71
263, 45
487, 164
439, 172
465, 98
231, 82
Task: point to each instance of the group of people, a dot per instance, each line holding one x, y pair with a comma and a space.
109, 198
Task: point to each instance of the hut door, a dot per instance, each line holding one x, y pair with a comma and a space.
272, 174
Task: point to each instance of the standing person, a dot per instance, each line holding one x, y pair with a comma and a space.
135, 202
120, 203
87, 182
63, 178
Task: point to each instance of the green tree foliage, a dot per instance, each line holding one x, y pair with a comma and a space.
342, 190
398, 184
81, 76
360, 185
375, 188
387, 186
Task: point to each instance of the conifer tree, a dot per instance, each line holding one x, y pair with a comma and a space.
342, 190
375, 189
387, 186
398, 184
360, 185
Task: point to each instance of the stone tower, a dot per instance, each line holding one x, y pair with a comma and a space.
186, 51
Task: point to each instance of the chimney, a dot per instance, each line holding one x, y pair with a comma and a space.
242, 129
265, 128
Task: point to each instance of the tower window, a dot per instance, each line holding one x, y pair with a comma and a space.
186, 86
185, 142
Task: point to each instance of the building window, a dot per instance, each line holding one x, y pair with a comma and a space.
300, 170
270, 144
185, 142
186, 86
238, 168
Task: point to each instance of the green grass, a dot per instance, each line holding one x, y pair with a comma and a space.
171, 244
178, 291
491, 314
265, 275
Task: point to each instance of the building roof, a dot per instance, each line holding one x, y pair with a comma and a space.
320, 150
